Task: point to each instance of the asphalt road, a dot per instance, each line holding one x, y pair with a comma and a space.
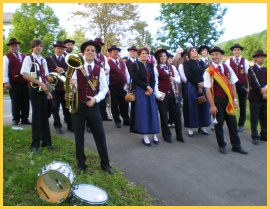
189, 174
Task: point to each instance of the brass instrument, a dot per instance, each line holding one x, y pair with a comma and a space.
74, 61
35, 74
58, 76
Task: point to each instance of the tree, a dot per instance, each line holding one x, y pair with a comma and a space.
251, 45
32, 21
190, 23
79, 37
110, 22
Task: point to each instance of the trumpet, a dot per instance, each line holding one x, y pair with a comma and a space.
35, 74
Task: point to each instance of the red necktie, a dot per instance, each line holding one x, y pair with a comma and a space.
59, 59
90, 71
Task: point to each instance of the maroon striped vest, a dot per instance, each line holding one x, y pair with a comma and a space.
239, 70
150, 59
164, 84
218, 91
83, 87
117, 76
14, 68
100, 60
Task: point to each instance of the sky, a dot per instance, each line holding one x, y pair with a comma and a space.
240, 20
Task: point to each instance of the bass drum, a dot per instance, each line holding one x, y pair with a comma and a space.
85, 194
54, 184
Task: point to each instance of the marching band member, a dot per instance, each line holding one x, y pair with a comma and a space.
219, 81
203, 51
257, 77
88, 109
57, 64
119, 79
132, 57
15, 83
195, 115
167, 97
38, 97
69, 46
240, 67
102, 62
144, 115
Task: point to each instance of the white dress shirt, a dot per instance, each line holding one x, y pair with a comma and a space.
5, 66
206, 77
182, 73
27, 62
103, 86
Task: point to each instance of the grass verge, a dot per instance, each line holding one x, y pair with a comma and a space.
21, 169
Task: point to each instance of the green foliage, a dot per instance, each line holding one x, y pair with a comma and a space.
79, 37
251, 45
32, 21
110, 22
21, 169
194, 23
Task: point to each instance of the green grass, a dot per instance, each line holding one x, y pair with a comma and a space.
21, 169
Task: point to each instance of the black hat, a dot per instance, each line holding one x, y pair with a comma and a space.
170, 55
13, 41
203, 47
160, 51
114, 47
125, 57
132, 48
183, 52
99, 41
87, 43
69, 41
237, 46
59, 44
259, 53
216, 49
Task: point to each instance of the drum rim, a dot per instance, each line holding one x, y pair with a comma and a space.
90, 202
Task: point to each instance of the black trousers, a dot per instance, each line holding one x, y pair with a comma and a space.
242, 97
59, 99
40, 122
19, 96
258, 112
119, 105
168, 104
102, 107
222, 116
93, 118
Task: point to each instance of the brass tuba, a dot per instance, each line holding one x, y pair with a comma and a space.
74, 61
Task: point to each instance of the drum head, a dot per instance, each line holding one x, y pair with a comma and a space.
53, 186
90, 194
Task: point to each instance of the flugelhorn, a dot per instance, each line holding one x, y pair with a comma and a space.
35, 74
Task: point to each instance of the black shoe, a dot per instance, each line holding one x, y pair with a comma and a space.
15, 122
35, 150
118, 125
52, 148
168, 140
107, 119
146, 144
79, 170
240, 128
202, 132
223, 150
240, 150
26, 122
181, 140
88, 129
126, 123
256, 141
58, 131
107, 168
156, 142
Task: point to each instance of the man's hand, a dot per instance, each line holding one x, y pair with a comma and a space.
213, 110
7, 86
235, 103
91, 101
